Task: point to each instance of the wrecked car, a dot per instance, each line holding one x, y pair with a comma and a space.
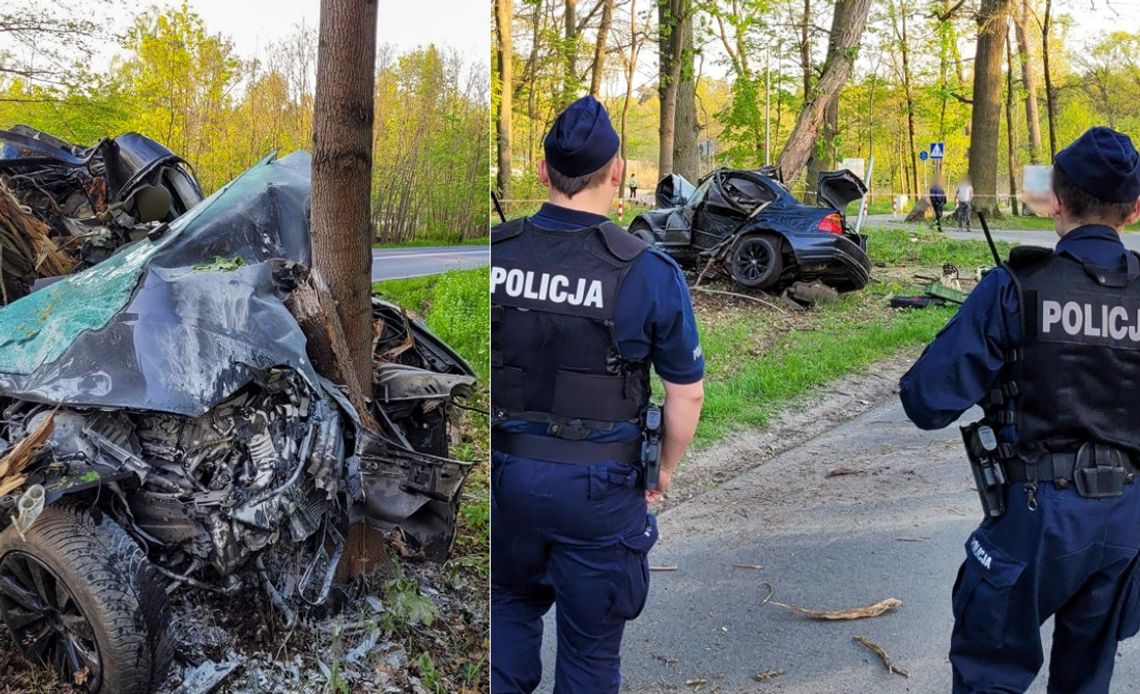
746, 224
162, 425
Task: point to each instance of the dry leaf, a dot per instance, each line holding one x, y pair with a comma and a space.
878, 650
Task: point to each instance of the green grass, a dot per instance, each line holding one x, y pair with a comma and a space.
420, 243
756, 368
895, 247
456, 306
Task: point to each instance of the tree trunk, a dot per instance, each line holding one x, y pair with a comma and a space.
1050, 92
805, 48
342, 170
686, 159
823, 154
1010, 130
985, 121
917, 190
1029, 79
600, 48
835, 73
671, 15
570, 53
630, 71
503, 17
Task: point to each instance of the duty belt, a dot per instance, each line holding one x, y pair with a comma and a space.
558, 450
1057, 468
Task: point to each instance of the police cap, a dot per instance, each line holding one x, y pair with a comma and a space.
1104, 164
582, 139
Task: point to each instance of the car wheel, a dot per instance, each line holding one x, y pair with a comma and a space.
79, 596
756, 262
641, 231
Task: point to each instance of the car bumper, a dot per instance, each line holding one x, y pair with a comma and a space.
838, 261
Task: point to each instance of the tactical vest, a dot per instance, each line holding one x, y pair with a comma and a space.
1076, 375
554, 351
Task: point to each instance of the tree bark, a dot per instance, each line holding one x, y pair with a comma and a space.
686, 159
630, 71
1010, 130
671, 14
1050, 92
823, 154
570, 53
985, 120
1029, 79
342, 169
835, 73
503, 18
599, 65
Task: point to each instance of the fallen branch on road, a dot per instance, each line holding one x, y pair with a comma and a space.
876, 610
878, 650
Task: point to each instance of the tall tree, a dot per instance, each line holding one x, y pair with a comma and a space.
671, 15
599, 65
635, 43
1010, 129
1028, 80
835, 72
824, 154
1050, 90
686, 159
985, 119
570, 82
503, 23
342, 174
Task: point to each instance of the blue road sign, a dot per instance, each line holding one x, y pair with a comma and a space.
937, 149
923, 155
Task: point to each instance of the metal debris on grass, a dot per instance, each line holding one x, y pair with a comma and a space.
878, 650
876, 610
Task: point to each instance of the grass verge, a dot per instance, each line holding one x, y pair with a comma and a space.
440, 241
760, 360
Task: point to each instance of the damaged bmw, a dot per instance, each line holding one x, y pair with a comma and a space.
161, 422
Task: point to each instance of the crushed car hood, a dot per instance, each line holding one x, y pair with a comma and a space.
177, 322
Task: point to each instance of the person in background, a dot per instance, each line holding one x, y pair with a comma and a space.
632, 186
963, 199
581, 311
937, 200
1048, 345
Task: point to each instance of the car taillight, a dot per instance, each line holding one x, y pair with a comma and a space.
832, 224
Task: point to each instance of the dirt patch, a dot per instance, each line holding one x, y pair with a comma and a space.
821, 410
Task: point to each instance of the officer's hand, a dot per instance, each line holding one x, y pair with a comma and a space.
664, 479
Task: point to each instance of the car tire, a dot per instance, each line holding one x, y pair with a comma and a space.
82, 582
756, 261
641, 230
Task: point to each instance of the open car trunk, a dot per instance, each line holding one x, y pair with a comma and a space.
837, 189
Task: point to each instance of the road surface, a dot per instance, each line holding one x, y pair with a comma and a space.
891, 521
1036, 238
397, 263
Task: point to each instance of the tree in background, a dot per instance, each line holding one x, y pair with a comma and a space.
985, 119
504, 22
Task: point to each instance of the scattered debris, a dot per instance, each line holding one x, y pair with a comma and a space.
912, 539
811, 293
738, 295
207, 676
844, 471
876, 610
879, 651
767, 675
696, 683
754, 567
13, 463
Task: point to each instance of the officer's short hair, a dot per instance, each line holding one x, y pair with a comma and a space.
572, 185
1085, 206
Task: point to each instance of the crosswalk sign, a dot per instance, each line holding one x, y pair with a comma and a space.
937, 149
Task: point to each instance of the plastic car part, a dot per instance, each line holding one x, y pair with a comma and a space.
30, 505
79, 595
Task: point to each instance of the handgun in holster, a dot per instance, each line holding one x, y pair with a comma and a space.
651, 446
989, 473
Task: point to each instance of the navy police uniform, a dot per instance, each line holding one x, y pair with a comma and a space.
581, 311
1049, 346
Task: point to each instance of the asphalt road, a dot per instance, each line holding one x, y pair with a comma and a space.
892, 525
397, 263
1036, 238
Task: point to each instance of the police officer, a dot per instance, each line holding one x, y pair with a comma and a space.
1049, 346
580, 312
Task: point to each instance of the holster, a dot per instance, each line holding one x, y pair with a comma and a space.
651, 446
989, 473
